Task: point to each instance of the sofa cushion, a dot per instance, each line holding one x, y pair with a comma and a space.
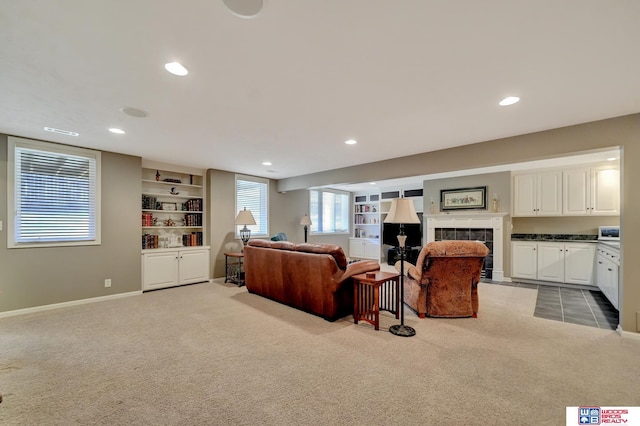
261, 243
283, 245
333, 250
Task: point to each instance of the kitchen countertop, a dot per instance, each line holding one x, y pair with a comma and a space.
577, 238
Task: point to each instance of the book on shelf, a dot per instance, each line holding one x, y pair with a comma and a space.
149, 241
192, 205
193, 239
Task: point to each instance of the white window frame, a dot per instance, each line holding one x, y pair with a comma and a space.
261, 217
12, 198
316, 221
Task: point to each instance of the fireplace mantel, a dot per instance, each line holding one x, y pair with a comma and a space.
471, 221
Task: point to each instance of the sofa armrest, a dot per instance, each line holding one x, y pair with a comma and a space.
359, 268
410, 270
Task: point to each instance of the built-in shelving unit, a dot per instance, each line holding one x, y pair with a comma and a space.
172, 209
365, 241
173, 228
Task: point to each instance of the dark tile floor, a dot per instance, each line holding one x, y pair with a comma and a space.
585, 307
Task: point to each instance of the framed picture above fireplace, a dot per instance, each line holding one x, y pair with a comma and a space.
464, 198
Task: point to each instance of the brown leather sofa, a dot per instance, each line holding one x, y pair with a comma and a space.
314, 278
444, 281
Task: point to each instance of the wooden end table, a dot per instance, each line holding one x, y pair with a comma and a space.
234, 271
374, 293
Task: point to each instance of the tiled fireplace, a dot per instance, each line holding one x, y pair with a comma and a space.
485, 227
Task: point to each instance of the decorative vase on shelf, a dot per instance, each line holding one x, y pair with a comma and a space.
494, 206
157, 175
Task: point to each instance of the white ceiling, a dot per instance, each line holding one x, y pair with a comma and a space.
293, 83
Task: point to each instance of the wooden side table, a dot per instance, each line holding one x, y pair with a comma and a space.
373, 292
234, 271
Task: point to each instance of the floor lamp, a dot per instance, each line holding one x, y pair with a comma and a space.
306, 222
245, 218
402, 211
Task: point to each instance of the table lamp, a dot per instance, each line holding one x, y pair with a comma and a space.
306, 222
402, 211
245, 218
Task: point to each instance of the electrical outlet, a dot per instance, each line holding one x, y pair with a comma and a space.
107, 282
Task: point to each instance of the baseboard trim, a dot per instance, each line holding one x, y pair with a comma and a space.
67, 304
627, 334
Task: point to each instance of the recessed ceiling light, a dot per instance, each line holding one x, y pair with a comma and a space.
351, 142
372, 183
116, 131
266, 163
611, 159
176, 68
62, 132
509, 100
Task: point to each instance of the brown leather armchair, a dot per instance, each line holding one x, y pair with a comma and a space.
444, 281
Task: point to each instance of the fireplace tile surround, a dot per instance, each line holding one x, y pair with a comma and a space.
485, 227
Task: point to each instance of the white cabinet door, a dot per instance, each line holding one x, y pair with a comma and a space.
551, 261
524, 195
524, 261
194, 266
537, 194
605, 191
372, 250
578, 263
159, 270
356, 248
576, 197
549, 194
607, 276
591, 191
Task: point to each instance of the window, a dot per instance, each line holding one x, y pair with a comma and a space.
252, 194
53, 195
329, 211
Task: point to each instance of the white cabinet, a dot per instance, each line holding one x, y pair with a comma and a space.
167, 268
537, 194
360, 248
578, 263
591, 191
524, 260
550, 261
553, 261
607, 273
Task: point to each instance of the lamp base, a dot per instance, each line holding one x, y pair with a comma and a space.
402, 330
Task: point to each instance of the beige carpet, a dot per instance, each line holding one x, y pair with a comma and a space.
212, 354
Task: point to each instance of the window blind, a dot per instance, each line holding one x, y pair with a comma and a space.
329, 211
55, 196
253, 194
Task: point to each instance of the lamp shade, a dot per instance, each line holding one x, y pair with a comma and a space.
402, 211
245, 218
305, 221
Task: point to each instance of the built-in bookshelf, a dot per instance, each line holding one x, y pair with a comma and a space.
173, 227
172, 206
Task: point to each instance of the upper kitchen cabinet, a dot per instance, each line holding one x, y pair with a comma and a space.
537, 194
592, 191
587, 190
